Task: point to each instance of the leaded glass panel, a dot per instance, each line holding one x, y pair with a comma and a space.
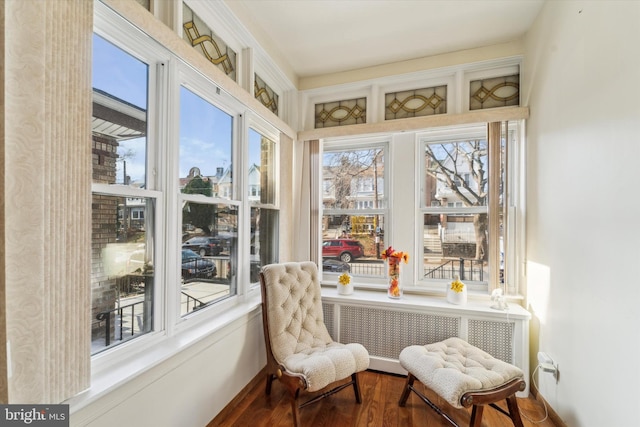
416, 103
494, 92
205, 41
265, 94
340, 113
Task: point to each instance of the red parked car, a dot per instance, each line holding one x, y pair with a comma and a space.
344, 249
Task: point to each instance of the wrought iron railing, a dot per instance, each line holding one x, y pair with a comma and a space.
193, 302
121, 316
467, 269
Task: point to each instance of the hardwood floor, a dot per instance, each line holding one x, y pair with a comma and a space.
380, 395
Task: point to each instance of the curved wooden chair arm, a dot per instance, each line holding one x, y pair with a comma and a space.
293, 382
493, 395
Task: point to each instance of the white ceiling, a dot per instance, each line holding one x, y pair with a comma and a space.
317, 37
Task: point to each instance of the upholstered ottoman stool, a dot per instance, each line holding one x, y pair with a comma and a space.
464, 376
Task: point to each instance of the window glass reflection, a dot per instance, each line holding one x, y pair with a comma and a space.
206, 139
208, 254
119, 121
264, 240
122, 276
262, 154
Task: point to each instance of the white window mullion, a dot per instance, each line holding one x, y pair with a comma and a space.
402, 202
168, 167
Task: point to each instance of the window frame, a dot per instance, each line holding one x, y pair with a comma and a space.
400, 229
188, 78
513, 195
119, 33
256, 123
452, 135
168, 71
357, 143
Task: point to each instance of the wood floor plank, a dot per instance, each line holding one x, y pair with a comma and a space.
379, 408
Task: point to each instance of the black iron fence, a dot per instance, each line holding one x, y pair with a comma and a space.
193, 303
127, 321
466, 269
368, 268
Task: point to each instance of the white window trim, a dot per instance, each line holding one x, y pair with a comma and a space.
379, 141
398, 235
443, 135
171, 333
259, 125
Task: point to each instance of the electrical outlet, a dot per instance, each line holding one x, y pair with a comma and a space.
546, 364
544, 358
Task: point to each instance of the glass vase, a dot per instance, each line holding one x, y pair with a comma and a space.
394, 290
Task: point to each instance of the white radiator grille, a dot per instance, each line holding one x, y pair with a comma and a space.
328, 311
385, 333
496, 338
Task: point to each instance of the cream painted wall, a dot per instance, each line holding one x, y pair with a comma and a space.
583, 232
451, 59
189, 389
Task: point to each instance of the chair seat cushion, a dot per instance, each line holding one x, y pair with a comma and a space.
325, 364
454, 367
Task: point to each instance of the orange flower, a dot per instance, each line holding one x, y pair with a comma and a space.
394, 290
397, 255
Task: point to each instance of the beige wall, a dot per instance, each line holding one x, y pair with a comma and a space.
581, 83
189, 389
4, 384
452, 59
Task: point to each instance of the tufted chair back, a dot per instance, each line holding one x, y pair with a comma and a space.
300, 352
294, 309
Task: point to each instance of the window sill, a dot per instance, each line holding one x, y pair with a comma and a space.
421, 302
104, 381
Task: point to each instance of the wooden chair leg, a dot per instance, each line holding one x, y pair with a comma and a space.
356, 387
295, 407
270, 378
476, 416
407, 390
514, 412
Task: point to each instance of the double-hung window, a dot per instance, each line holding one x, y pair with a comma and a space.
185, 194
463, 220
125, 198
468, 197
209, 201
354, 208
262, 193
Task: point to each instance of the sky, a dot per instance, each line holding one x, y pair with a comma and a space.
205, 131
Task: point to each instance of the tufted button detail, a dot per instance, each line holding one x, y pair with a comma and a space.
299, 339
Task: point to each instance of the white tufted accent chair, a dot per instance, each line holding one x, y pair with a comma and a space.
300, 351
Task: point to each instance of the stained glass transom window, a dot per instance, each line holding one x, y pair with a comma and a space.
494, 92
265, 94
416, 103
204, 40
341, 113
